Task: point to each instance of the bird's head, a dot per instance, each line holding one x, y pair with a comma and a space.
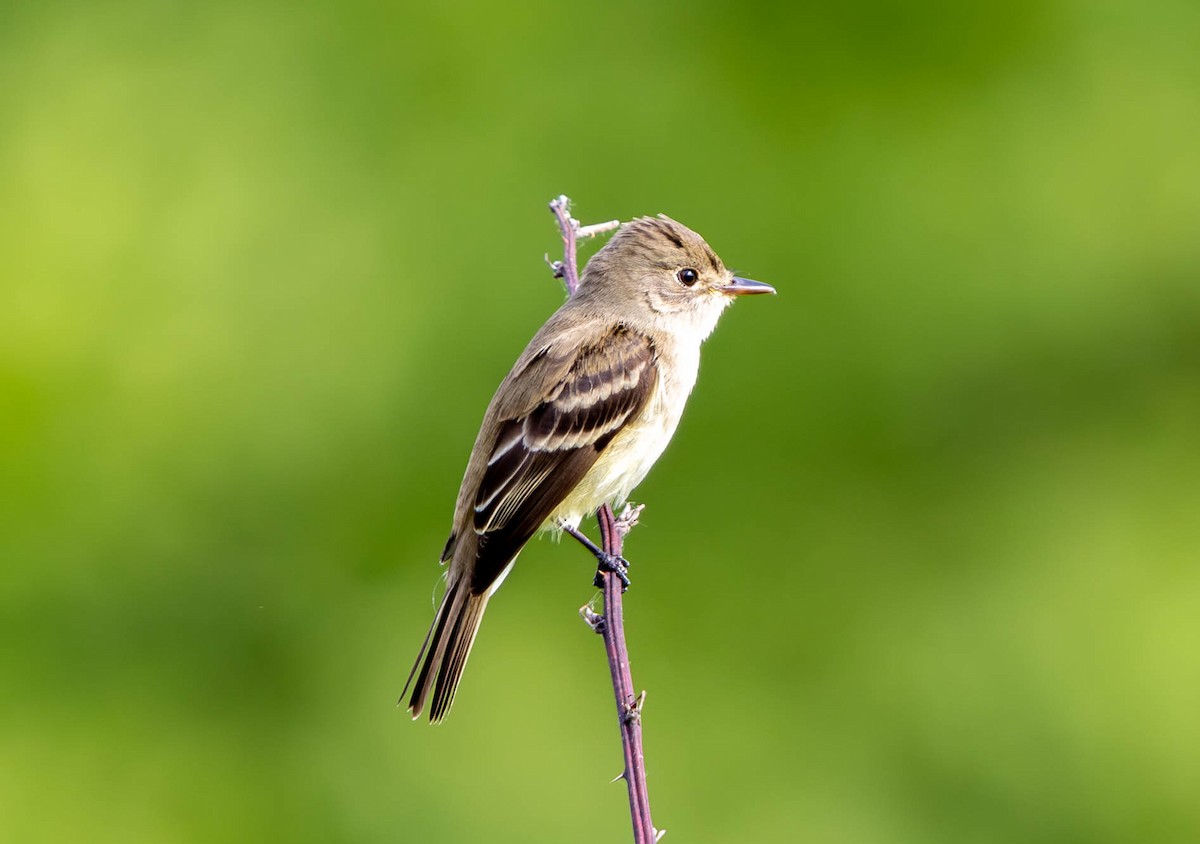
659, 270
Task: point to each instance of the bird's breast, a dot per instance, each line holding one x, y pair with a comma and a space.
631, 454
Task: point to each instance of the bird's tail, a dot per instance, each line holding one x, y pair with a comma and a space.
443, 656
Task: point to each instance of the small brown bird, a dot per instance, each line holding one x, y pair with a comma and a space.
587, 409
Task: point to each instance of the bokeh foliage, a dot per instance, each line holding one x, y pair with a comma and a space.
921, 565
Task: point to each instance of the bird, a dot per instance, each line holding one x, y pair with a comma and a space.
587, 409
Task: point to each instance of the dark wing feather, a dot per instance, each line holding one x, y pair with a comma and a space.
539, 457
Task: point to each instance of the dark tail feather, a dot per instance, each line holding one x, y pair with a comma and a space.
443, 655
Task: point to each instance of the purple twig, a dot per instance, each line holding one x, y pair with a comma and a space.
611, 625
629, 704
567, 269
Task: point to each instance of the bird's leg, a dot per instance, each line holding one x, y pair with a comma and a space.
611, 562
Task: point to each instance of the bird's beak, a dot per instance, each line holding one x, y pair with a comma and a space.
745, 287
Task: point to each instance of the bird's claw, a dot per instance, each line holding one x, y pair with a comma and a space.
617, 565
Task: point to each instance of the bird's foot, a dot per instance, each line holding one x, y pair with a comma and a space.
617, 565
608, 562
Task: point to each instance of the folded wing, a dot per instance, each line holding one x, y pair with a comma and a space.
541, 455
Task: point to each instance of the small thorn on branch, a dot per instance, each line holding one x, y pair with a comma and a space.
628, 519
594, 619
633, 712
556, 267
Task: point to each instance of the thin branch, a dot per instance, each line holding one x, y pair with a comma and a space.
629, 704
571, 230
611, 625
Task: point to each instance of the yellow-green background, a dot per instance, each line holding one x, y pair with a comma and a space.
921, 564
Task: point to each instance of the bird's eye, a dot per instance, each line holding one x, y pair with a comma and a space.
687, 276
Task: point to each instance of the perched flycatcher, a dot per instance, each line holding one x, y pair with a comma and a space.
587, 409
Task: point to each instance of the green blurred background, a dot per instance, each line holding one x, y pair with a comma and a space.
921, 564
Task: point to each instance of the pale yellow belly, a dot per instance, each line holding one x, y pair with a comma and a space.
632, 452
